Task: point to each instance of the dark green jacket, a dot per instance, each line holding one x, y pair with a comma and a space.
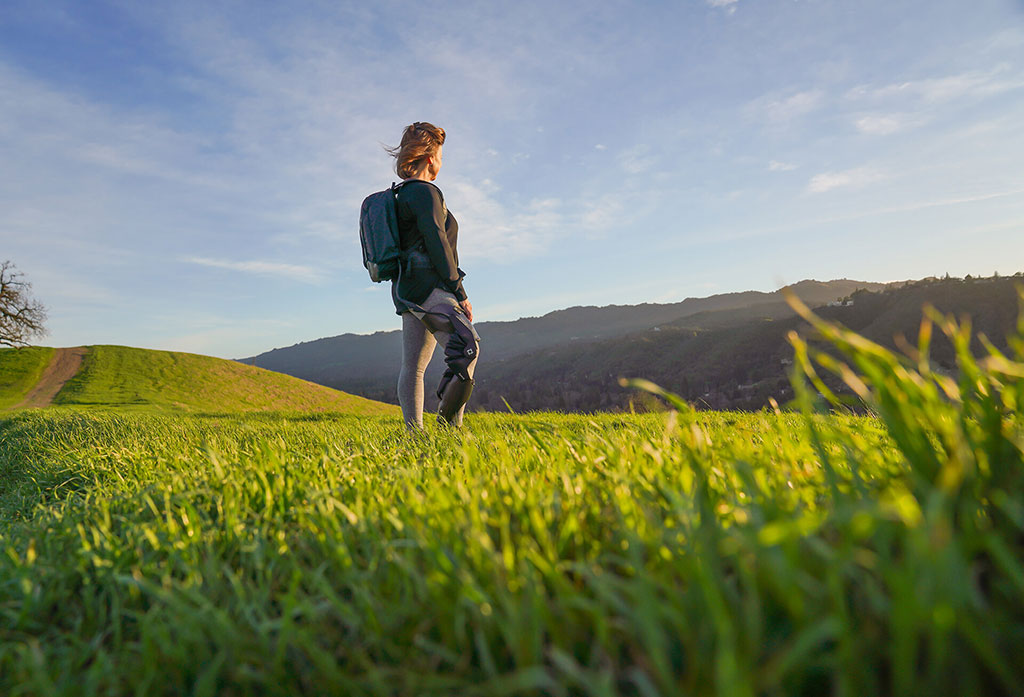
429, 235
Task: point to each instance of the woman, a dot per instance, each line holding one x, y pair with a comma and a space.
428, 293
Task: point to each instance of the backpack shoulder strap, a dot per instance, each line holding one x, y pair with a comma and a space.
396, 186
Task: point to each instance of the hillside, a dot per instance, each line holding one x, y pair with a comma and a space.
734, 359
120, 376
20, 370
368, 364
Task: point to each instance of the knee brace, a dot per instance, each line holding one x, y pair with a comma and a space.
462, 349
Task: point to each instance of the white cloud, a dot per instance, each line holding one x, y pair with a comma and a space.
600, 146
727, 5
817, 222
886, 124
1007, 39
943, 89
298, 272
496, 231
850, 178
637, 160
949, 201
781, 110
602, 213
776, 166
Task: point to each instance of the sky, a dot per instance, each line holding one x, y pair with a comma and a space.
187, 176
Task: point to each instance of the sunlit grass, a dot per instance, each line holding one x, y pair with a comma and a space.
20, 370
137, 379
659, 554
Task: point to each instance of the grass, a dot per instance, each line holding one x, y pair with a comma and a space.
688, 553
20, 370
168, 381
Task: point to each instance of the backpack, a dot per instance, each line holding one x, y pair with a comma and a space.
378, 233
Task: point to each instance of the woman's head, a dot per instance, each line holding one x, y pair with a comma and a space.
420, 151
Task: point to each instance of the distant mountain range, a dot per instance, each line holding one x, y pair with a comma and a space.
368, 365
738, 358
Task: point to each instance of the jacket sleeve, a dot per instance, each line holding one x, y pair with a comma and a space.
426, 204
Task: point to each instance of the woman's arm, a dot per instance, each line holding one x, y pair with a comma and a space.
426, 204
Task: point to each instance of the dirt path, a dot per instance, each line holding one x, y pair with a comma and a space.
63, 366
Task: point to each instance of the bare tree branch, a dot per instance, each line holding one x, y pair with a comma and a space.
22, 317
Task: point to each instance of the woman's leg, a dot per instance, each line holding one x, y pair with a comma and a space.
434, 302
442, 339
417, 348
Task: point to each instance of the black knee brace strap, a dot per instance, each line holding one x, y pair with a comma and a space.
462, 347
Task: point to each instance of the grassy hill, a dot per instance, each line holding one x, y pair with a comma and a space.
20, 370
120, 376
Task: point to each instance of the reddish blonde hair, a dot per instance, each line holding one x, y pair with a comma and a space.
420, 141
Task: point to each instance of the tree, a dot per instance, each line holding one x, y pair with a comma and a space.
21, 315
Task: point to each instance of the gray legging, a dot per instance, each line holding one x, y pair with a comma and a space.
417, 348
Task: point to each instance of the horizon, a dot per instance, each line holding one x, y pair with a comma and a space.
188, 178
561, 309
667, 302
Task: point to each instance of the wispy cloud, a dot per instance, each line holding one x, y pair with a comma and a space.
948, 201
778, 110
637, 159
498, 231
886, 124
1009, 38
978, 83
850, 178
297, 272
811, 223
728, 5
777, 166
602, 213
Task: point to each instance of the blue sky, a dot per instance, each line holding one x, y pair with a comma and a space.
188, 175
